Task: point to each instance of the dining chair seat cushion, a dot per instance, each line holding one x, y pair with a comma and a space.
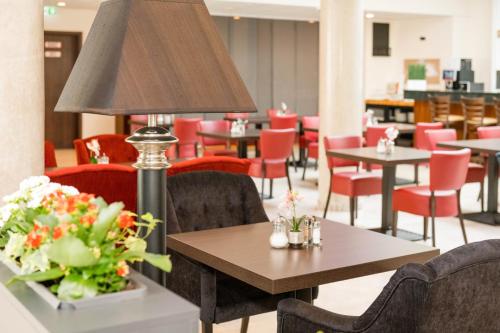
220, 152
451, 118
313, 150
274, 168
475, 173
355, 184
487, 121
416, 200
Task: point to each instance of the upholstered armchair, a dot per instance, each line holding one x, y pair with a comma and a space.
113, 145
458, 291
208, 200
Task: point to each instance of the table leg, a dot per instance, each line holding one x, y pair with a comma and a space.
388, 181
304, 295
242, 149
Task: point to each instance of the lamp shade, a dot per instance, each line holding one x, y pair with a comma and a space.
154, 56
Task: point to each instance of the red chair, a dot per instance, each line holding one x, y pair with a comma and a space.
113, 182
275, 149
212, 163
310, 140
475, 173
372, 136
492, 132
272, 112
236, 116
441, 198
138, 118
420, 140
50, 155
215, 126
350, 183
113, 145
185, 130
283, 122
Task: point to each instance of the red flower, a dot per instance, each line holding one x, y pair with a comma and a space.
87, 220
58, 232
122, 269
125, 220
84, 197
34, 240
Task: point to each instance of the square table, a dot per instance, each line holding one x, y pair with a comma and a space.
488, 147
401, 155
242, 139
257, 120
244, 253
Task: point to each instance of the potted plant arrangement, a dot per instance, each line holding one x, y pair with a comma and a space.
295, 232
75, 244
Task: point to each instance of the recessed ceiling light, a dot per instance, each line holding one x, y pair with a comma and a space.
369, 15
236, 18
61, 4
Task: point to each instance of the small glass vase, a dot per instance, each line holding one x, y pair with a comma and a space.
278, 239
296, 239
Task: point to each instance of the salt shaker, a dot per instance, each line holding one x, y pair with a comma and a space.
316, 233
381, 146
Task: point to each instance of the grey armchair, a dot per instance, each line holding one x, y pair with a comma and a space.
207, 200
458, 291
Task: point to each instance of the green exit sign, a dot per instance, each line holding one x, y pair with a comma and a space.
49, 10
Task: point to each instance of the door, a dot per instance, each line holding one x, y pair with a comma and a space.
61, 51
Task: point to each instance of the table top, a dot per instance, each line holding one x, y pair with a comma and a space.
253, 119
346, 252
391, 102
402, 127
250, 134
488, 146
401, 155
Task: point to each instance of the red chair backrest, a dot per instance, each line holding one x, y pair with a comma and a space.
50, 155
113, 145
141, 118
374, 134
211, 163
448, 169
276, 144
490, 132
439, 135
311, 122
341, 142
113, 182
272, 112
236, 116
185, 130
284, 121
214, 126
420, 140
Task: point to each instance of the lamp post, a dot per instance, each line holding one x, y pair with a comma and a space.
151, 142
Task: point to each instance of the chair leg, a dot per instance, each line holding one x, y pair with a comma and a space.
461, 217
270, 188
244, 324
316, 164
351, 210
433, 218
395, 223
288, 176
294, 161
206, 327
263, 179
329, 196
262, 189
355, 207
426, 228
416, 174
481, 195
305, 165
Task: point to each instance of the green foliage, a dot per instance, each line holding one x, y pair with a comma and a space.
70, 251
101, 227
51, 274
75, 287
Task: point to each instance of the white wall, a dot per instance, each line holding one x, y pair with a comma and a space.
495, 40
80, 20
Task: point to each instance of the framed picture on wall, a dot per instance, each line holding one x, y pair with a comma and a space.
432, 69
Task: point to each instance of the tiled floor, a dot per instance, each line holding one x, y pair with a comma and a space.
352, 297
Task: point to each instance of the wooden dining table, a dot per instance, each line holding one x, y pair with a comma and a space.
389, 162
250, 135
346, 252
489, 147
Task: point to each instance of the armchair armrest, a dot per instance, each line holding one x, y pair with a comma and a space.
297, 316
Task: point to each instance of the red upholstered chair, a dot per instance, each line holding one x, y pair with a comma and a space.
310, 140
211, 163
50, 155
441, 198
236, 116
113, 182
272, 112
491, 132
185, 130
275, 149
140, 118
350, 183
420, 140
283, 122
475, 173
372, 136
209, 143
113, 145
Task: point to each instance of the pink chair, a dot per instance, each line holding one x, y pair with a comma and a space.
441, 198
350, 183
310, 140
275, 149
50, 155
215, 126
284, 122
475, 173
420, 140
491, 132
236, 116
185, 130
372, 136
272, 112
113, 145
141, 118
